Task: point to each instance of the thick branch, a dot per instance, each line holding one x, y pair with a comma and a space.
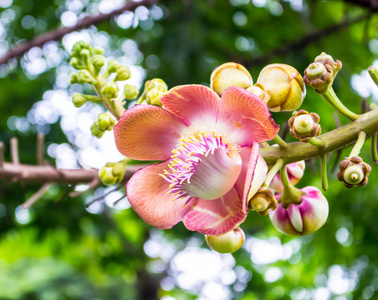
60, 32
334, 140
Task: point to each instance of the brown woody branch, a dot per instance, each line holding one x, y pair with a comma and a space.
60, 32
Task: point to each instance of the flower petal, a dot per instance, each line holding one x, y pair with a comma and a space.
147, 132
192, 103
246, 117
147, 194
216, 217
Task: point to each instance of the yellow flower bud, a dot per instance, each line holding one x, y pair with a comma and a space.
130, 92
230, 74
105, 122
112, 173
262, 201
285, 85
259, 91
123, 73
97, 132
110, 90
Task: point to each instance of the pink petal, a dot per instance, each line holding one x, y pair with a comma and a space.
147, 132
253, 173
192, 103
216, 217
246, 117
147, 194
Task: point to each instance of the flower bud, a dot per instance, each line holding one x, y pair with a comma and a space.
228, 242
153, 96
123, 73
78, 100
96, 131
153, 90
294, 171
78, 47
113, 66
75, 63
110, 90
304, 125
260, 92
262, 201
130, 92
98, 61
230, 74
353, 171
304, 218
83, 76
285, 85
321, 73
73, 78
112, 173
105, 122
98, 51
155, 83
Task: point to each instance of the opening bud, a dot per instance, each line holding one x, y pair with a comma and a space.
130, 92
105, 122
353, 171
259, 91
304, 125
226, 243
110, 90
153, 91
230, 74
294, 171
262, 201
112, 173
304, 218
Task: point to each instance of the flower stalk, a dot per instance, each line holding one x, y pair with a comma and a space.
358, 146
373, 148
323, 171
290, 194
280, 142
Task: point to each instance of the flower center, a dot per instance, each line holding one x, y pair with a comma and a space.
203, 166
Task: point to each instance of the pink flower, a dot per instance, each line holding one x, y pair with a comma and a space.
209, 148
304, 218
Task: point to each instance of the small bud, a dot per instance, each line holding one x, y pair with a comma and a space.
123, 73
155, 83
83, 76
78, 100
259, 91
112, 66
112, 173
321, 73
110, 90
228, 242
353, 171
73, 78
98, 51
153, 96
96, 131
262, 201
230, 74
98, 61
304, 125
294, 171
75, 63
285, 85
105, 122
304, 218
130, 92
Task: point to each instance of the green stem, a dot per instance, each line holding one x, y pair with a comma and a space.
332, 98
140, 100
280, 142
317, 142
373, 148
290, 194
323, 170
373, 74
273, 171
358, 146
115, 107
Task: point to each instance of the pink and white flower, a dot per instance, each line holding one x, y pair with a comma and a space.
304, 218
294, 171
209, 148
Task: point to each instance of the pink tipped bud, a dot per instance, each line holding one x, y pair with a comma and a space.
304, 218
226, 243
295, 172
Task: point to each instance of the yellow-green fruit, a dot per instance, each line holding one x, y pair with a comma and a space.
226, 243
285, 85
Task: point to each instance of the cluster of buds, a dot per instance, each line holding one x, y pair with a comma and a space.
83, 55
153, 91
304, 125
122, 72
321, 73
112, 173
353, 171
226, 243
105, 122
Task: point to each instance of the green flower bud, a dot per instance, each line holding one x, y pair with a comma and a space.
96, 131
113, 66
353, 171
83, 76
230, 74
98, 51
75, 63
112, 173
262, 201
78, 100
130, 92
73, 78
123, 73
105, 122
304, 126
153, 96
98, 61
155, 83
110, 90
226, 243
285, 85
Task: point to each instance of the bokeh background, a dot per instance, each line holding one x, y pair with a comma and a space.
61, 248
